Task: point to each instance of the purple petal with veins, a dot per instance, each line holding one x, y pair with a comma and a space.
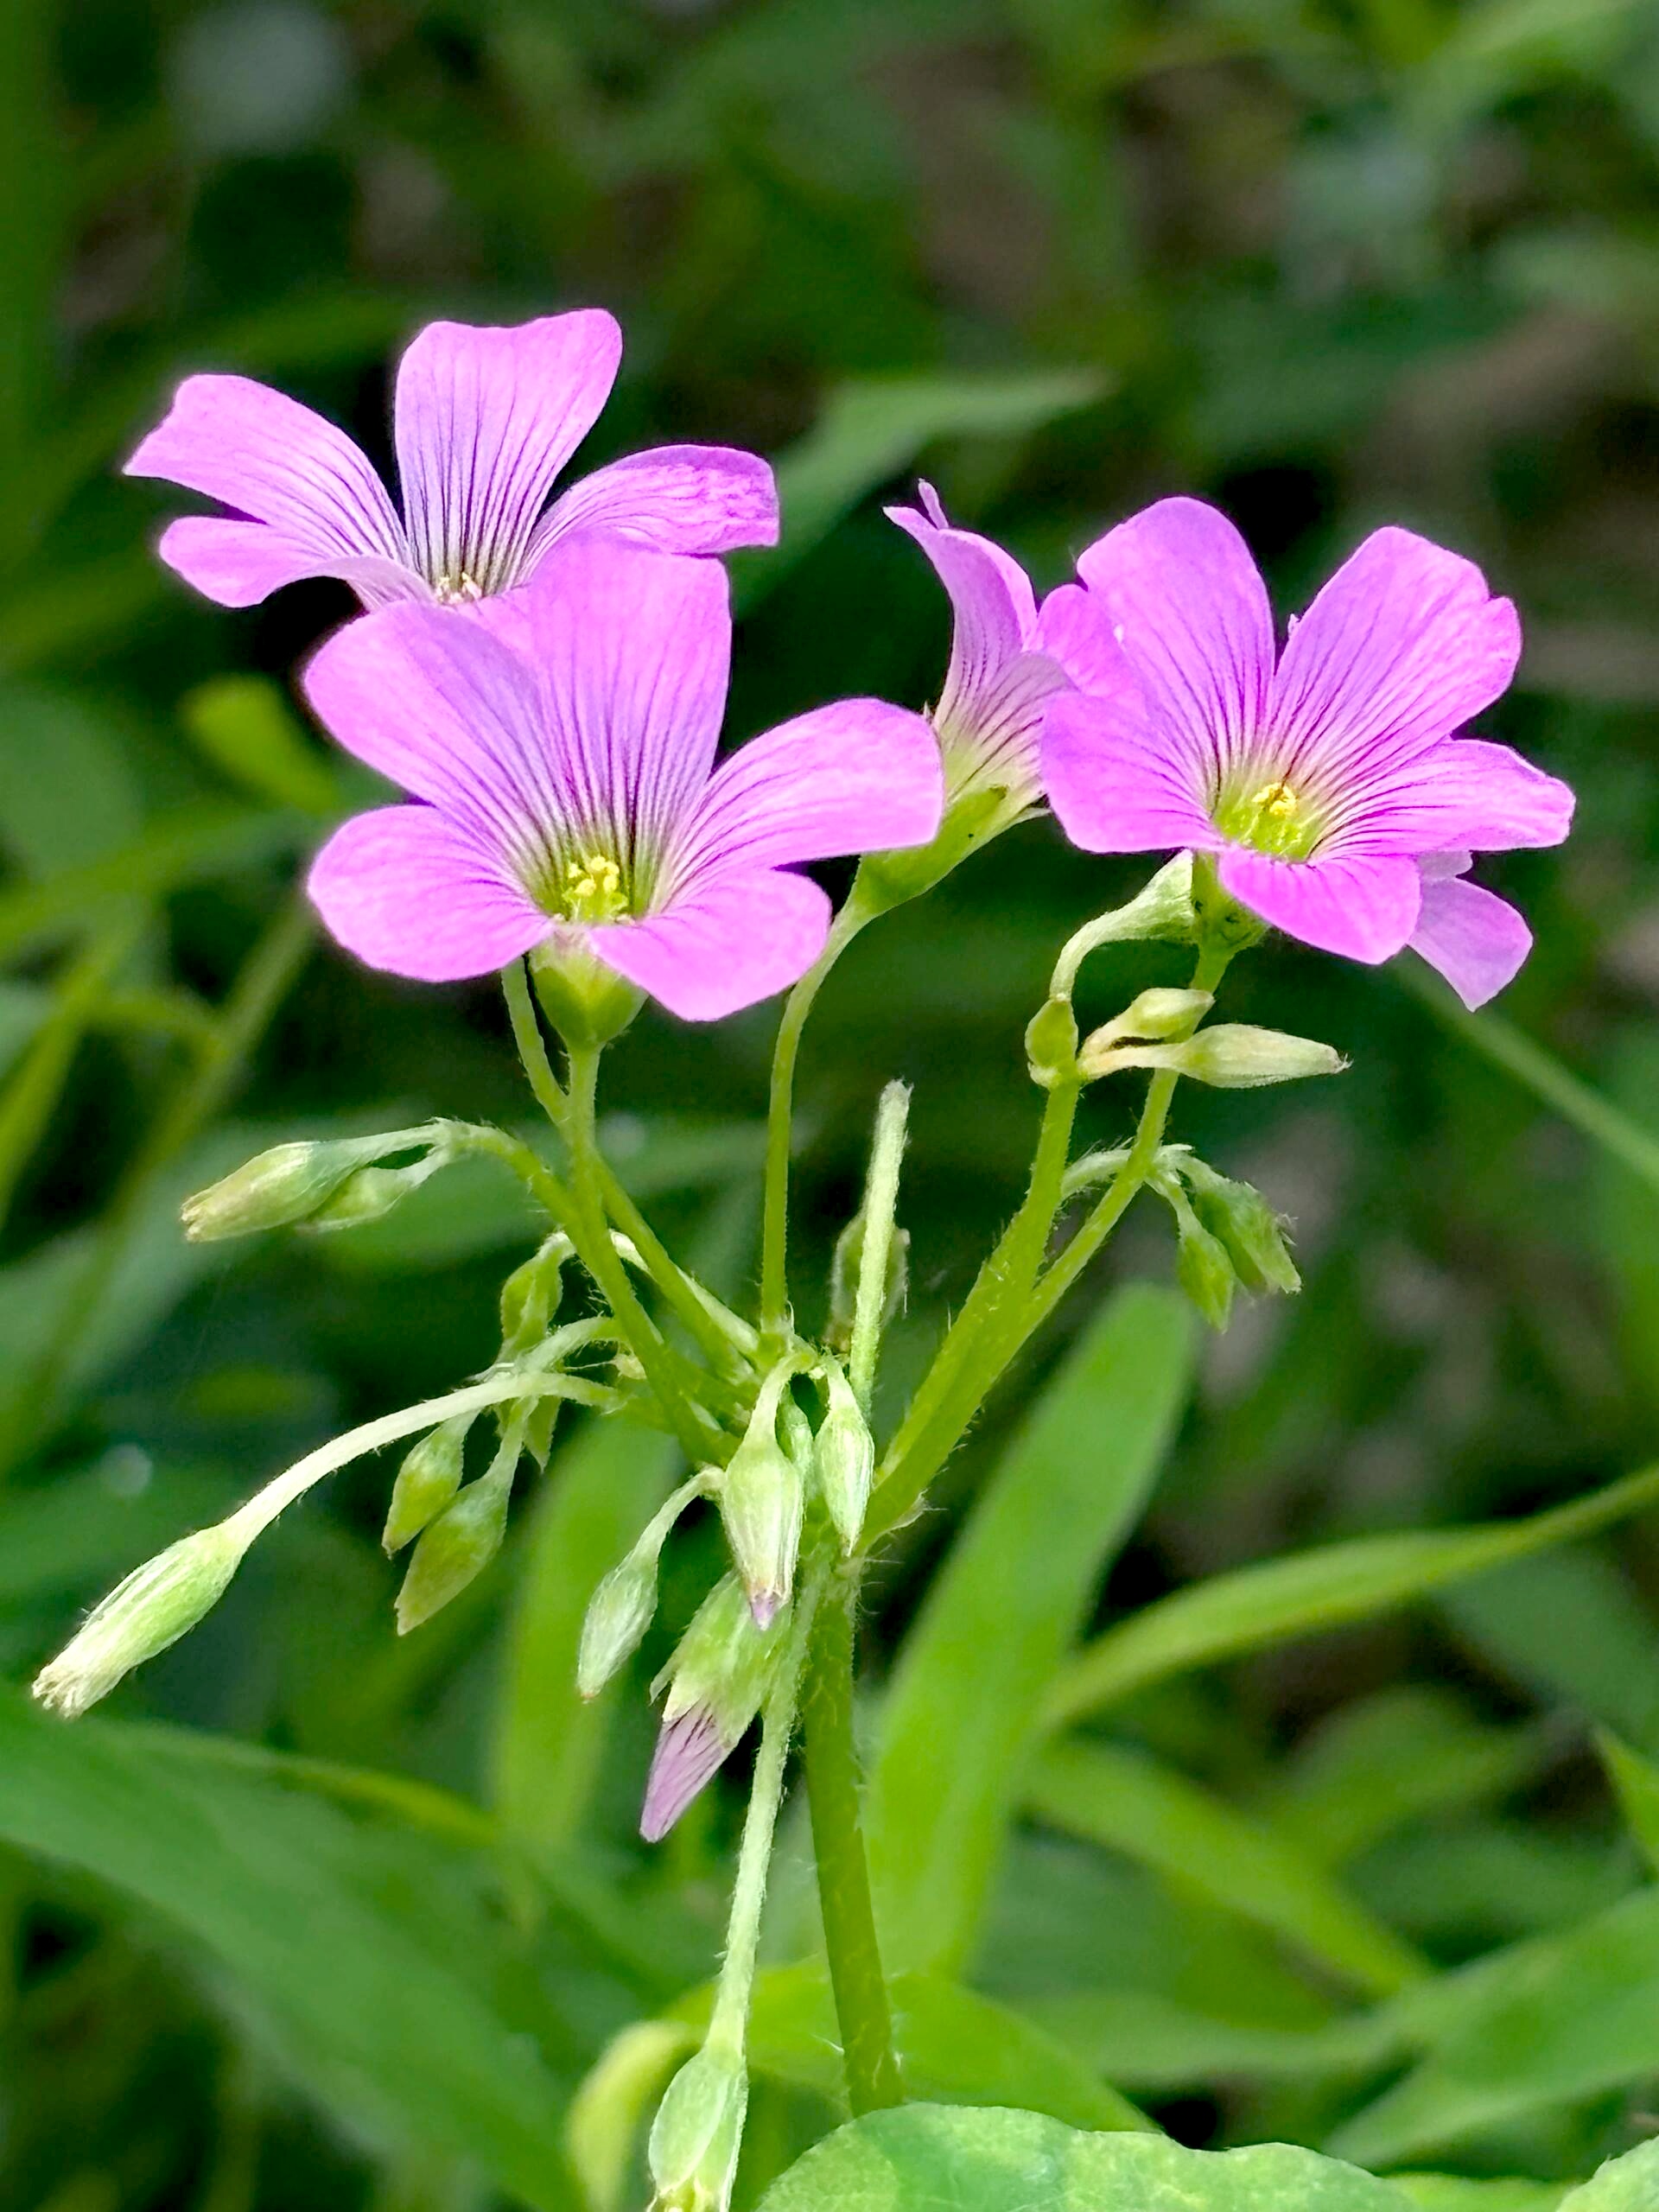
690, 1751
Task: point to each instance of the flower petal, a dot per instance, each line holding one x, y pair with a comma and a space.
1112, 788
1187, 604
856, 777
1463, 793
1476, 939
1399, 650
729, 944
486, 419
690, 1753
1365, 908
699, 500
411, 893
239, 563
1072, 629
632, 651
434, 700
274, 461
995, 609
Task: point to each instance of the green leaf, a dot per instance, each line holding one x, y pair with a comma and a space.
937, 2159
67, 791
1284, 1599
246, 727
1627, 2184
1013, 1594
1457, 2193
369, 1959
1558, 2017
1636, 1781
871, 429
601, 1489
1123, 1798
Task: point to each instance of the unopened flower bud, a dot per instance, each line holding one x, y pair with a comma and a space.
697, 2132
717, 1683
372, 1192
1246, 1225
1154, 1015
529, 1296
1204, 1268
460, 1544
1163, 908
1052, 1044
762, 1501
285, 1185
428, 1479
157, 1604
844, 1451
1232, 1055
621, 1608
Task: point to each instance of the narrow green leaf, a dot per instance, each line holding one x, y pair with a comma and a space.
951, 2160
360, 1952
872, 427
246, 727
601, 1489
1573, 1630
1284, 1599
1016, 1587
1124, 1799
1555, 2019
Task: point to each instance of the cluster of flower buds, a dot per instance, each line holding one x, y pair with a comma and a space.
336, 1183
1227, 1236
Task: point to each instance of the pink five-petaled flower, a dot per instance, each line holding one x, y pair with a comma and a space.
1330, 785
1007, 657
485, 421
561, 742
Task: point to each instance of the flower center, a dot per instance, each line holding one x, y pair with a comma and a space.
1273, 818
458, 589
592, 890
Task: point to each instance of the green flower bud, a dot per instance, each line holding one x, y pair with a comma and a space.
586, 1002
529, 1296
372, 1192
1232, 1055
460, 1543
1052, 1044
1246, 1225
428, 1479
157, 1604
282, 1186
1154, 1015
762, 1502
844, 1451
724, 1662
1203, 1268
696, 2136
621, 1608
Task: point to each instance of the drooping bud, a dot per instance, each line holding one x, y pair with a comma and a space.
529, 1296
762, 1502
460, 1543
295, 1182
844, 1451
428, 1479
370, 1193
621, 1609
717, 1683
1162, 910
1052, 1044
1246, 1225
1231, 1055
1203, 1267
696, 2136
157, 1604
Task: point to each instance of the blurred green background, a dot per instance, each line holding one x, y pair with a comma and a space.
1328, 265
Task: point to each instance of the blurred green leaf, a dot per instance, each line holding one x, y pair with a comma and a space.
373, 1966
1125, 1800
1458, 2193
1627, 2184
997, 1620
992, 2161
1308, 1592
1570, 1626
67, 792
246, 727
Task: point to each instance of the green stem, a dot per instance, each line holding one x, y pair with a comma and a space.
880, 1206
832, 1779
781, 1114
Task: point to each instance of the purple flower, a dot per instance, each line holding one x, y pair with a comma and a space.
691, 1751
560, 743
1007, 657
1329, 785
486, 419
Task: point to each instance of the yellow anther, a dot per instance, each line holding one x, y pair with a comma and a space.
1275, 798
593, 889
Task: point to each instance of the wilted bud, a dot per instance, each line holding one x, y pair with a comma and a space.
844, 1451
428, 1479
717, 1683
697, 2132
372, 1192
529, 1296
459, 1545
1246, 1225
1052, 1044
157, 1604
1232, 1055
761, 1500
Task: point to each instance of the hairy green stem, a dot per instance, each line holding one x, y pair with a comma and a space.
780, 1117
862, 2011
881, 1205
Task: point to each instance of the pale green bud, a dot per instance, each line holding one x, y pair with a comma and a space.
621, 1608
762, 1502
428, 1479
1154, 1015
1052, 1044
372, 1192
529, 1296
157, 1604
1203, 1268
1246, 1225
458, 1546
844, 1451
1231, 1055
697, 2132
724, 1662
282, 1186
